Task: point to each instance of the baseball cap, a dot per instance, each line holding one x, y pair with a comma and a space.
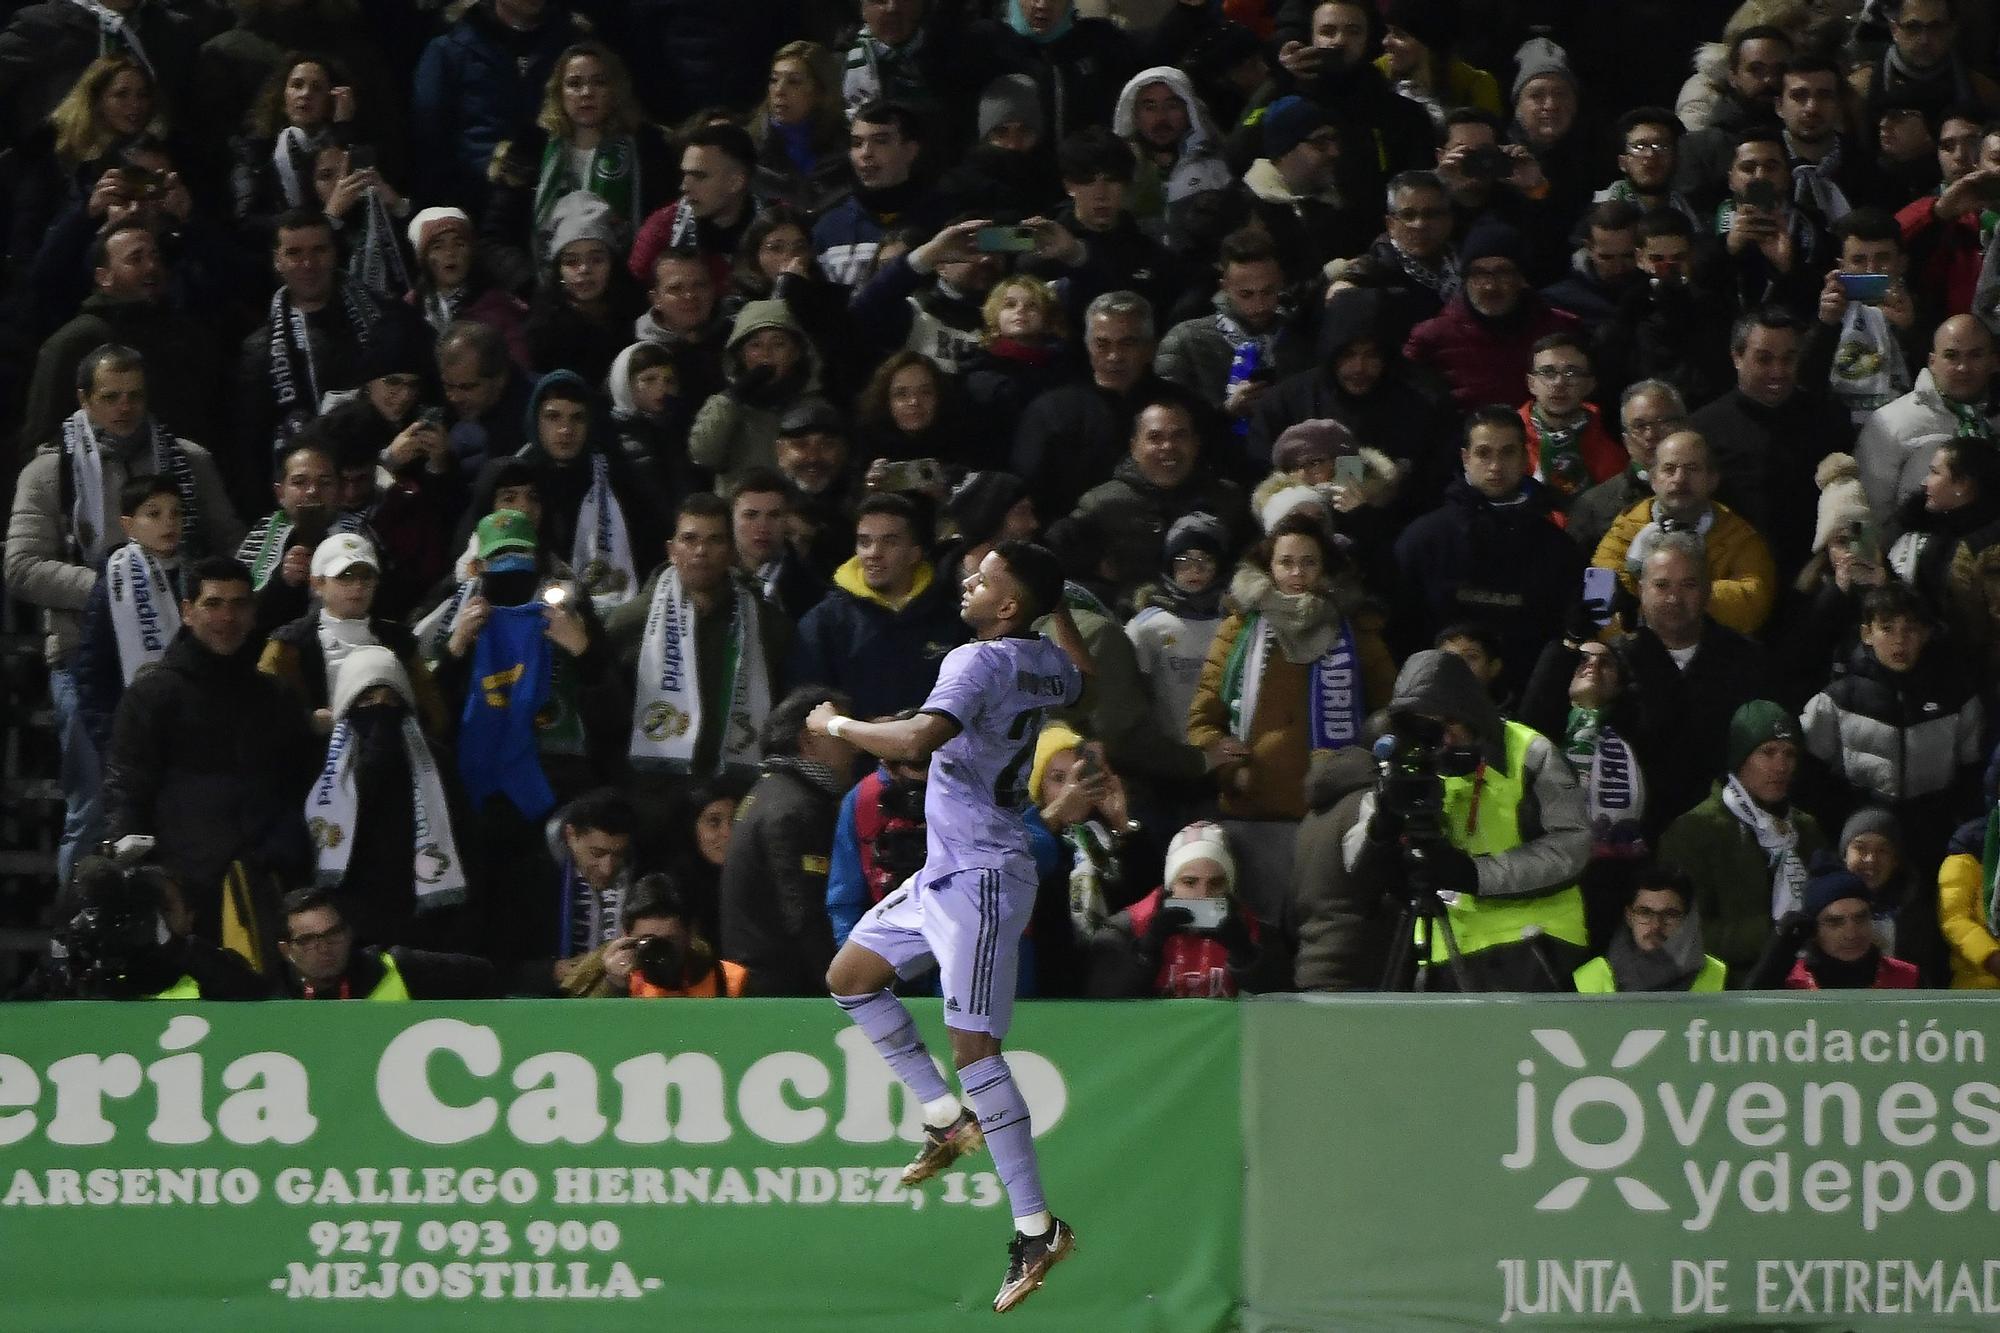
505, 530
340, 553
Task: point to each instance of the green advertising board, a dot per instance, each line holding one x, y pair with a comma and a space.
1819, 1162
606, 1165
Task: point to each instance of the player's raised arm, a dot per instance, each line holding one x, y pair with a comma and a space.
907, 740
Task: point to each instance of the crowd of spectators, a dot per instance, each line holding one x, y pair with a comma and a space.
455, 447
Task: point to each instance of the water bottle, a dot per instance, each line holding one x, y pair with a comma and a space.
1248, 360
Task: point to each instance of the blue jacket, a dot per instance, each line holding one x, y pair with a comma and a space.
886, 659
470, 95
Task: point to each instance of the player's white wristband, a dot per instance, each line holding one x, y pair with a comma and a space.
836, 725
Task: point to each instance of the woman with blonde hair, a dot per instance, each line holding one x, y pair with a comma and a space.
112, 103
801, 131
592, 138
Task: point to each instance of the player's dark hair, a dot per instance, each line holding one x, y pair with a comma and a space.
1039, 573
215, 569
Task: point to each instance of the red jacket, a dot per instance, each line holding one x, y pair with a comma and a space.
1485, 365
1603, 456
655, 234
1192, 967
1890, 974
1944, 256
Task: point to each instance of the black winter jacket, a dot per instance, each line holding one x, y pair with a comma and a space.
213, 759
773, 891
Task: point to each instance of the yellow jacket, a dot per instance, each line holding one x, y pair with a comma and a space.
1961, 918
1742, 580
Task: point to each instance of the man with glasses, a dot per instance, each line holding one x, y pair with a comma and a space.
1922, 65
1649, 153
1658, 945
1483, 341
322, 962
1411, 262
1648, 412
1568, 447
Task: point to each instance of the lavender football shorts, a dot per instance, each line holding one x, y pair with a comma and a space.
970, 923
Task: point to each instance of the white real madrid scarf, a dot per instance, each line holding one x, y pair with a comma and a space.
602, 555
667, 703
334, 807
144, 613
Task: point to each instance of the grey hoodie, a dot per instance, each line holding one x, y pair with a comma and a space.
1555, 830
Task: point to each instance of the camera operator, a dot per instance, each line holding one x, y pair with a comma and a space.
1190, 938
1487, 815
658, 953
323, 964
114, 943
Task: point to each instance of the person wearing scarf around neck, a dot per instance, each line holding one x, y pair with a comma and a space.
592, 136
1923, 64
1771, 245
1828, 943
1953, 399
306, 655
1025, 353
386, 814
800, 131
1742, 578
1657, 947
1568, 448
278, 551
307, 109
135, 608
1747, 847
451, 282
595, 513
1295, 668
45, 48
1863, 350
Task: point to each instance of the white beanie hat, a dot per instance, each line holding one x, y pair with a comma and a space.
1842, 502
364, 668
426, 225
1201, 841
1285, 501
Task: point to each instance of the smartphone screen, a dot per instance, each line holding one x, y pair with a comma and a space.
1600, 585
1005, 240
1349, 470
1867, 288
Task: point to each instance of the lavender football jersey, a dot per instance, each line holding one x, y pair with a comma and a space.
997, 691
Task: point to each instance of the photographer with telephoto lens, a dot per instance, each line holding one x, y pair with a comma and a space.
659, 954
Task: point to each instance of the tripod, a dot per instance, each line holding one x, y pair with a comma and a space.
1423, 919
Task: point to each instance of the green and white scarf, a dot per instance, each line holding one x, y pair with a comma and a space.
1559, 463
613, 176
1614, 793
1334, 700
669, 698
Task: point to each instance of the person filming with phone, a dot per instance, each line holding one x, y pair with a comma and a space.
1189, 939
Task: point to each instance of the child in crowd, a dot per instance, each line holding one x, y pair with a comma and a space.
134, 609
